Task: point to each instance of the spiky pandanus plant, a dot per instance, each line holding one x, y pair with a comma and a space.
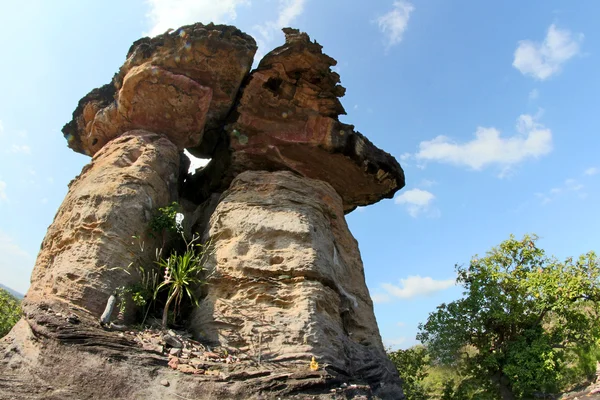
183, 274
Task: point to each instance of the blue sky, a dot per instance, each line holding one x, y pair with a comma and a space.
491, 108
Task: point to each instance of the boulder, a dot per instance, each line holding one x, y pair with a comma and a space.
90, 242
287, 119
287, 282
179, 84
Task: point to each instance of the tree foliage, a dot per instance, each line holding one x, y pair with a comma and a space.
521, 312
412, 367
10, 312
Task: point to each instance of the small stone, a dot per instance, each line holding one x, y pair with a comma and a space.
213, 372
175, 352
164, 382
174, 362
196, 362
73, 319
210, 354
172, 341
186, 369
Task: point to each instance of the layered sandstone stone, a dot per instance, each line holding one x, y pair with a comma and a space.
287, 281
179, 84
287, 119
90, 241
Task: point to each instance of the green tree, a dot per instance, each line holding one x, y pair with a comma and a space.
412, 366
521, 311
10, 312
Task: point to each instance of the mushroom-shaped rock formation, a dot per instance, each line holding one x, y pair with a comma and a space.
287, 119
178, 84
285, 281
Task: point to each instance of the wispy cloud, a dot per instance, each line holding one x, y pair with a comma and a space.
22, 149
569, 186
415, 286
171, 14
489, 147
394, 23
15, 264
543, 60
288, 11
534, 94
394, 343
416, 201
591, 171
379, 298
3, 196
1, 128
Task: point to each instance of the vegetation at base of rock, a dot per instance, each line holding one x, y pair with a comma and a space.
143, 292
412, 366
10, 311
527, 326
182, 274
182, 269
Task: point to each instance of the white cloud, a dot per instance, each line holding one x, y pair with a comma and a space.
379, 298
394, 23
3, 196
542, 60
591, 171
171, 14
288, 11
534, 94
24, 149
400, 324
427, 183
394, 343
195, 162
415, 286
533, 140
570, 185
1, 128
415, 200
15, 264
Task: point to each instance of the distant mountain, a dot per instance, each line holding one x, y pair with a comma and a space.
12, 292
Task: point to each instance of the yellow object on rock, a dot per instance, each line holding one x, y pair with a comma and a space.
314, 365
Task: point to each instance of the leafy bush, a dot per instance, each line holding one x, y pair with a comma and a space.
522, 312
10, 312
412, 367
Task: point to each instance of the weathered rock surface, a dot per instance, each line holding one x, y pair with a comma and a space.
287, 282
47, 357
112, 200
177, 84
287, 119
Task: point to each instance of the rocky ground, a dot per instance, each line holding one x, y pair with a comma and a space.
57, 354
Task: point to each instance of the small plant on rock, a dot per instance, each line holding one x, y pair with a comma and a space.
183, 274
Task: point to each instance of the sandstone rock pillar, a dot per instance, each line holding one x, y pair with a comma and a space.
112, 200
287, 282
